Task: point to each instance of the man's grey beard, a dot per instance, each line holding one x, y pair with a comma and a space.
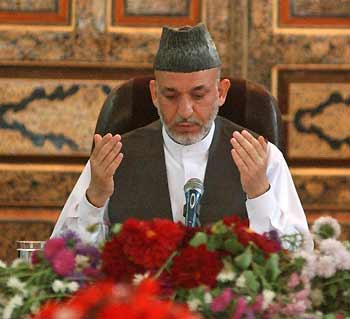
189, 138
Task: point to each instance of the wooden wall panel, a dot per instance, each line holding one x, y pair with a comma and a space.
43, 12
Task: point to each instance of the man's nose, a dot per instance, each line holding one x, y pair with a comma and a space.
185, 107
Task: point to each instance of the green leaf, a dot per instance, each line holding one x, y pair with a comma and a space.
116, 228
244, 260
260, 273
251, 281
198, 239
233, 246
215, 242
272, 270
219, 228
332, 290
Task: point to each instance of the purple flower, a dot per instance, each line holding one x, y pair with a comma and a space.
89, 251
222, 301
71, 238
53, 247
240, 308
92, 273
64, 262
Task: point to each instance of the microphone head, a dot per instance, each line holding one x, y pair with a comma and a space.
194, 183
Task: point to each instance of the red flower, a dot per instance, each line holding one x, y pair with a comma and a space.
235, 220
266, 244
105, 300
115, 264
196, 266
150, 243
246, 235
48, 310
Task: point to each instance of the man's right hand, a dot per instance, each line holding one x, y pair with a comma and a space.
104, 160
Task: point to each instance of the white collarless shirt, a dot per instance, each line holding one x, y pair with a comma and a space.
184, 162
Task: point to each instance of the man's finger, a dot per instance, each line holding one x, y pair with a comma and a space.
263, 143
243, 154
100, 142
111, 155
255, 142
246, 145
107, 147
110, 170
242, 167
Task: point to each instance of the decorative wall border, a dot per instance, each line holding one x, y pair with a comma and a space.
281, 76
62, 20
64, 72
309, 26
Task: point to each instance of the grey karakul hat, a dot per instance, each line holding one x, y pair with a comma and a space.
187, 49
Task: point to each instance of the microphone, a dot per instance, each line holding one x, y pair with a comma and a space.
193, 193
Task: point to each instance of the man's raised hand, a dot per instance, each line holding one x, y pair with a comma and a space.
105, 159
250, 156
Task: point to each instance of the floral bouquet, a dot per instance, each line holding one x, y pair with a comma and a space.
222, 271
105, 300
327, 268
55, 273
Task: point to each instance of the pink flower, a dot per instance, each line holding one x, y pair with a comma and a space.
258, 304
52, 247
295, 309
64, 262
343, 259
240, 308
294, 280
222, 301
325, 267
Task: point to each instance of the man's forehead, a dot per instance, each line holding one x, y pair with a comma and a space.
194, 79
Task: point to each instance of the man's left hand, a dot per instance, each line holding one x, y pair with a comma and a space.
250, 156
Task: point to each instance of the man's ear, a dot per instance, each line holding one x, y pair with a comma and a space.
224, 86
153, 90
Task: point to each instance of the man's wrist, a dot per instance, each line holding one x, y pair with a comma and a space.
95, 199
259, 193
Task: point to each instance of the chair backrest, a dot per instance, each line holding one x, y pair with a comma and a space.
248, 104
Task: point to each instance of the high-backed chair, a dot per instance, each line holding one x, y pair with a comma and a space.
248, 104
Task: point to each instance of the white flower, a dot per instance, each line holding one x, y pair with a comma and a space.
17, 262
317, 297
81, 262
34, 308
58, 286
14, 283
2, 264
72, 286
328, 224
138, 278
330, 246
325, 267
309, 267
15, 302
208, 298
268, 296
241, 281
226, 274
193, 304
